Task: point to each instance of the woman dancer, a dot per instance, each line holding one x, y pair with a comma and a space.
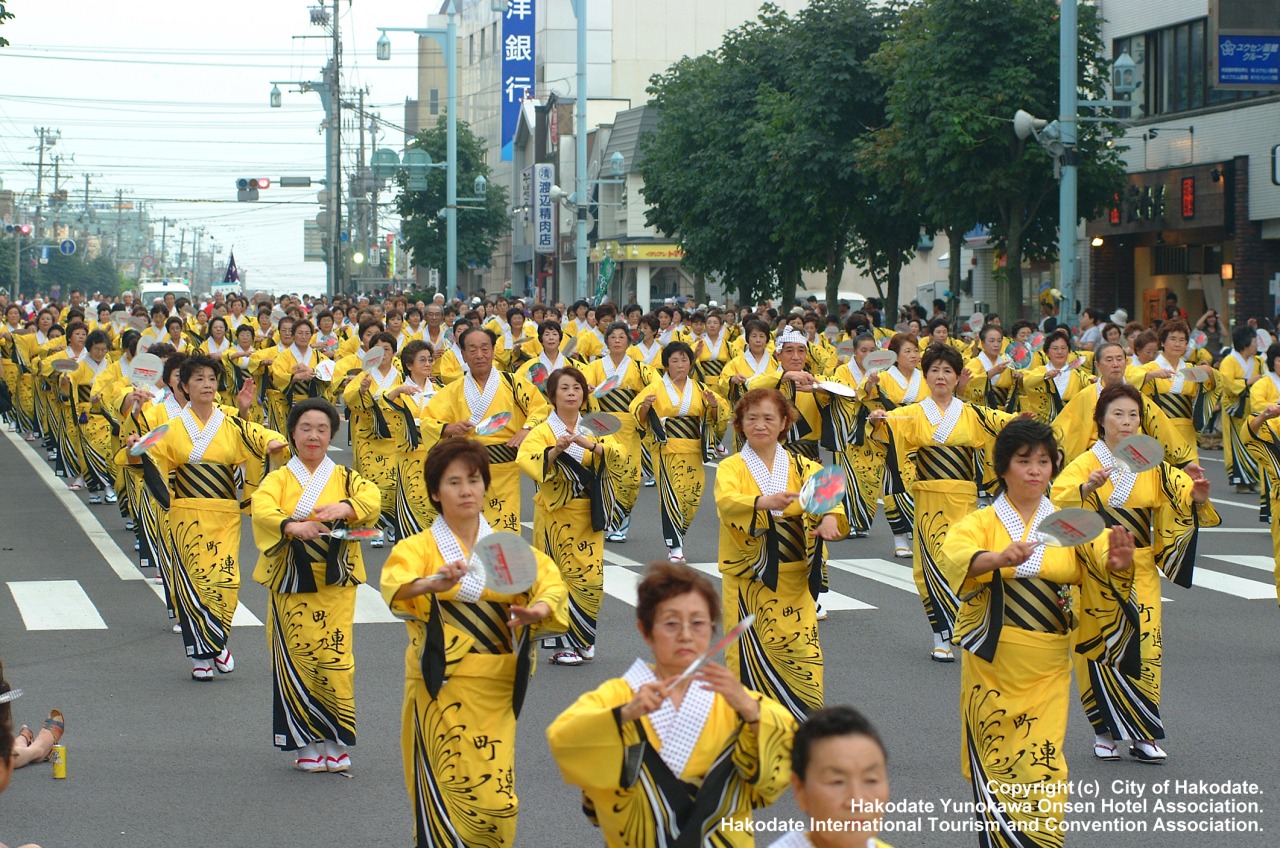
667, 763
1163, 508
941, 436
469, 660
633, 378
312, 578
766, 555
577, 477
687, 419
201, 452
1016, 630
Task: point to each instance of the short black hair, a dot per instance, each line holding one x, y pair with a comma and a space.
941, 353
194, 363
673, 348
825, 723
315, 404
446, 451
1020, 434
1242, 336
1272, 353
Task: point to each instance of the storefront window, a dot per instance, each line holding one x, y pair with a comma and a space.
1173, 71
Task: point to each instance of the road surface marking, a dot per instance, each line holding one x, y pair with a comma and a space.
370, 608
124, 568
55, 605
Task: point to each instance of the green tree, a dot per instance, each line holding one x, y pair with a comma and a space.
957, 70
697, 182
479, 228
772, 186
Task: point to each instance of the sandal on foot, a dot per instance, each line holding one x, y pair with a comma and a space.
26, 734
942, 655
56, 726
1148, 752
1104, 750
566, 658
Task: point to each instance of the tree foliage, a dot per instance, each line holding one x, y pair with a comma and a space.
956, 72
479, 229
753, 165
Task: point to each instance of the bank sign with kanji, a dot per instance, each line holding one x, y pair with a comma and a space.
518, 25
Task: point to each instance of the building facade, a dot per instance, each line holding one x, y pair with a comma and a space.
628, 41
1199, 217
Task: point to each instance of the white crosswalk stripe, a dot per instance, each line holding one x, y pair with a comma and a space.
55, 605
1239, 586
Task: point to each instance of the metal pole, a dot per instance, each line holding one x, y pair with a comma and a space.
1068, 40
38, 229
451, 139
580, 152
335, 94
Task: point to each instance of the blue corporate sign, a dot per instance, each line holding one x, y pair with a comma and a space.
518, 30
67, 247
1249, 59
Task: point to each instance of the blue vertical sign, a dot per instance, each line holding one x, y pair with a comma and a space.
518, 28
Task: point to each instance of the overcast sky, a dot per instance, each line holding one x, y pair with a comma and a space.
169, 101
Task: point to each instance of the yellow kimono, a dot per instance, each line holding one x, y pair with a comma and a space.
1015, 672
575, 497
686, 430
743, 365
768, 566
465, 400
641, 787
862, 458
204, 520
712, 357
96, 430
997, 392
1177, 398
415, 433
1235, 372
312, 602
466, 673
587, 344
806, 436
635, 377
1047, 396
894, 389
64, 410
1265, 450
373, 447
282, 376
17, 348
1075, 431
509, 353
943, 447
1122, 697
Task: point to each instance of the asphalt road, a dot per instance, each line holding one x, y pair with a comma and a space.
155, 759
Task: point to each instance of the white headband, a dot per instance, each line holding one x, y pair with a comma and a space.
790, 336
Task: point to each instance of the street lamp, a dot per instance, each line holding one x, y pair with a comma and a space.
275, 96
1059, 139
447, 38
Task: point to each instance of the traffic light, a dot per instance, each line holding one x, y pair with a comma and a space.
247, 187
18, 229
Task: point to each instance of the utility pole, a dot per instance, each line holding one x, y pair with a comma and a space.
164, 235
48, 138
335, 178
361, 217
182, 246
373, 185
88, 219
119, 221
